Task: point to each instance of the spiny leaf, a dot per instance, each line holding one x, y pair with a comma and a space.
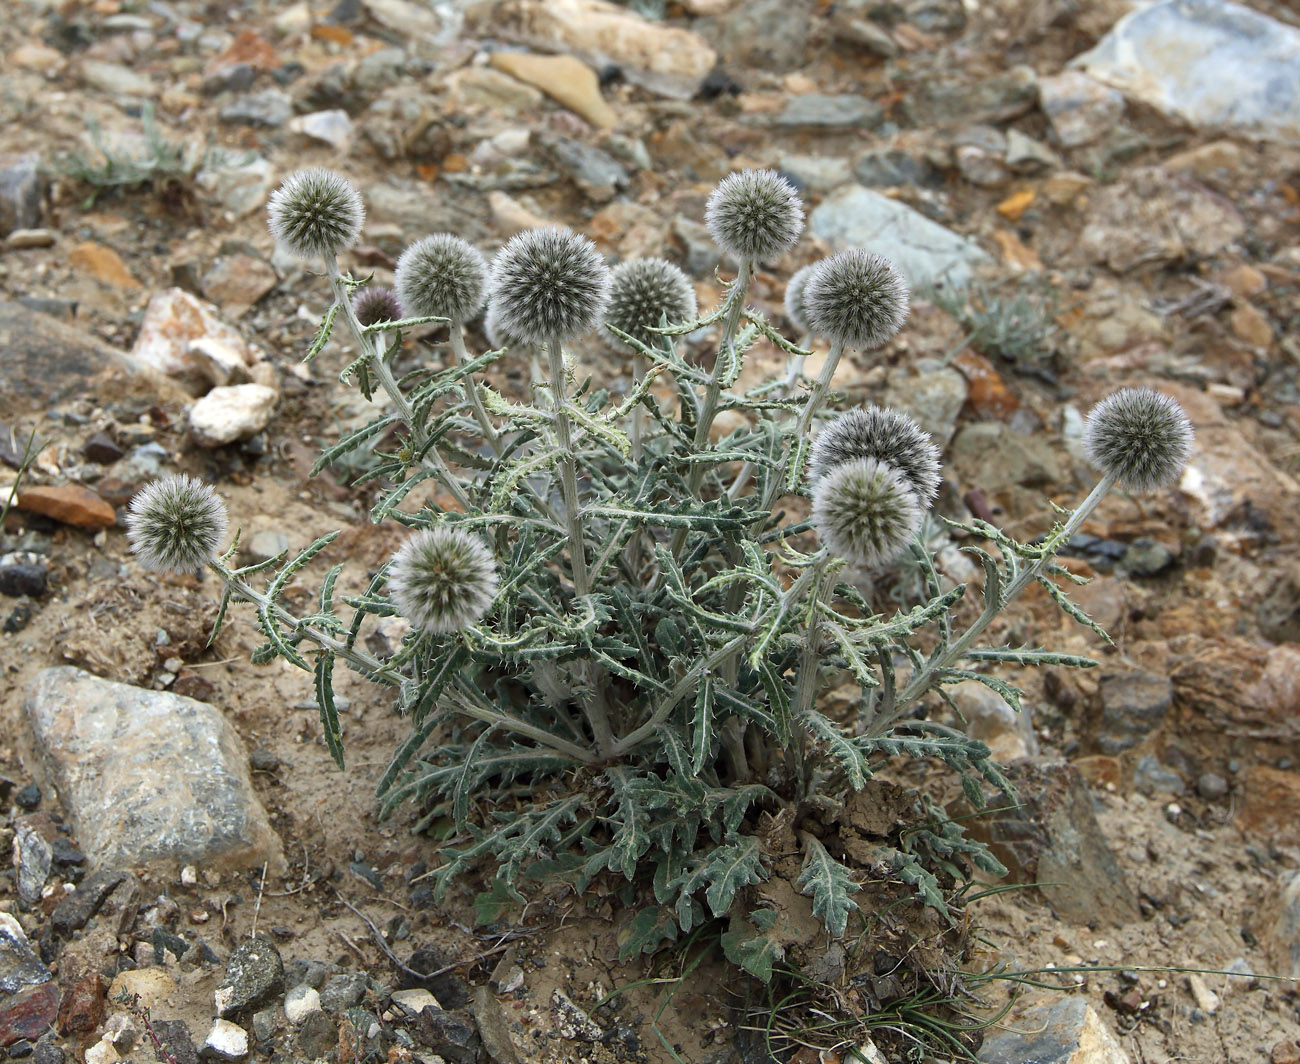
730, 867
329, 714
829, 884
759, 953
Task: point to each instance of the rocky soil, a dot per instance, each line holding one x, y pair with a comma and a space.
1079, 200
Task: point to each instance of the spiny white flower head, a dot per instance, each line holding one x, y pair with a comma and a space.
642, 293
548, 284
442, 276
175, 524
442, 580
1141, 436
879, 432
795, 309
375, 303
315, 213
866, 511
856, 298
496, 337
754, 214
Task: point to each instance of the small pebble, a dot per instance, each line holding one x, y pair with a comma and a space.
1211, 786
28, 797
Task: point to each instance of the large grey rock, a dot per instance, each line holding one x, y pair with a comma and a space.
926, 253
761, 34
1080, 109
1133, 704
20, 193
1209, 62
999, 98
826, 112
239, 184
1064, 1030
147, 776
1052, 839
996, 457
254, 975
270, 108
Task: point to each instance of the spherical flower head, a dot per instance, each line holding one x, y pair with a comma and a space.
643, 293
548, 284
315, 214
856, 298
442, 580
496, 338
175, 524
887, 435
795, 309
866, 512
375, 303
1140, 436
754, 214
442, 276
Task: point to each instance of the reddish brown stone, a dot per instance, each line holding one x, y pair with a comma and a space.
248, 47
986, 392
1271, 805
69, 503
28, 1014
191, 684
1285, 1053
82, 1008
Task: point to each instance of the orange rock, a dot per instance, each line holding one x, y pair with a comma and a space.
1270, 806
104, 264
249, 47
1015, 252
1250, 325
324, 31
567, 80
70, 503
1016, 204
986, 391
1244, 281
1100, 770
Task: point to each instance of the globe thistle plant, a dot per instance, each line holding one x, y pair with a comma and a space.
442, 276
856, 298
375, 303
887, 435
1139, 436
866, 511
754, 214
795, 308
176, 524
548, 284
644, 292
316, 214
442, 580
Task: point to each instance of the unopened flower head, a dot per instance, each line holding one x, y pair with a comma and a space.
315, 214
856, 298
176, 524
754, 214
442, 276
1140, 436
642, 294
866, 511
548, 284
879, 432
375, 303
795, 309
442, 580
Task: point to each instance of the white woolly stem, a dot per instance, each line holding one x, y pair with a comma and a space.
457, 338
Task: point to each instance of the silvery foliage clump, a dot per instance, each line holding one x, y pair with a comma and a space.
617, 637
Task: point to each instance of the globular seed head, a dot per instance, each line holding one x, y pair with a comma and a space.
644, 292
442, 276
866, 512
1141, 436
754, 214
795, 308
856, 298
884, 434
548, 284
375, 303
175, 524
315, 213
442, 580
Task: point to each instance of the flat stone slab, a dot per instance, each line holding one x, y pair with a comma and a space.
1210, 62
148, 777
1066, 1030
926, 253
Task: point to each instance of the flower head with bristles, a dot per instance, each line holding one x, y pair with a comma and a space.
496, 337
375, 303
795, 309
645, 292
856, 298
175, 524
442, 580
315, 214
548, 284
866, 512
1140, 436
442, 276
754, 214
884, 434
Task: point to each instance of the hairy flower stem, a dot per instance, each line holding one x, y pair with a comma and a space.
928, 675
817, 397
390, 386
457, 339
806, 685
